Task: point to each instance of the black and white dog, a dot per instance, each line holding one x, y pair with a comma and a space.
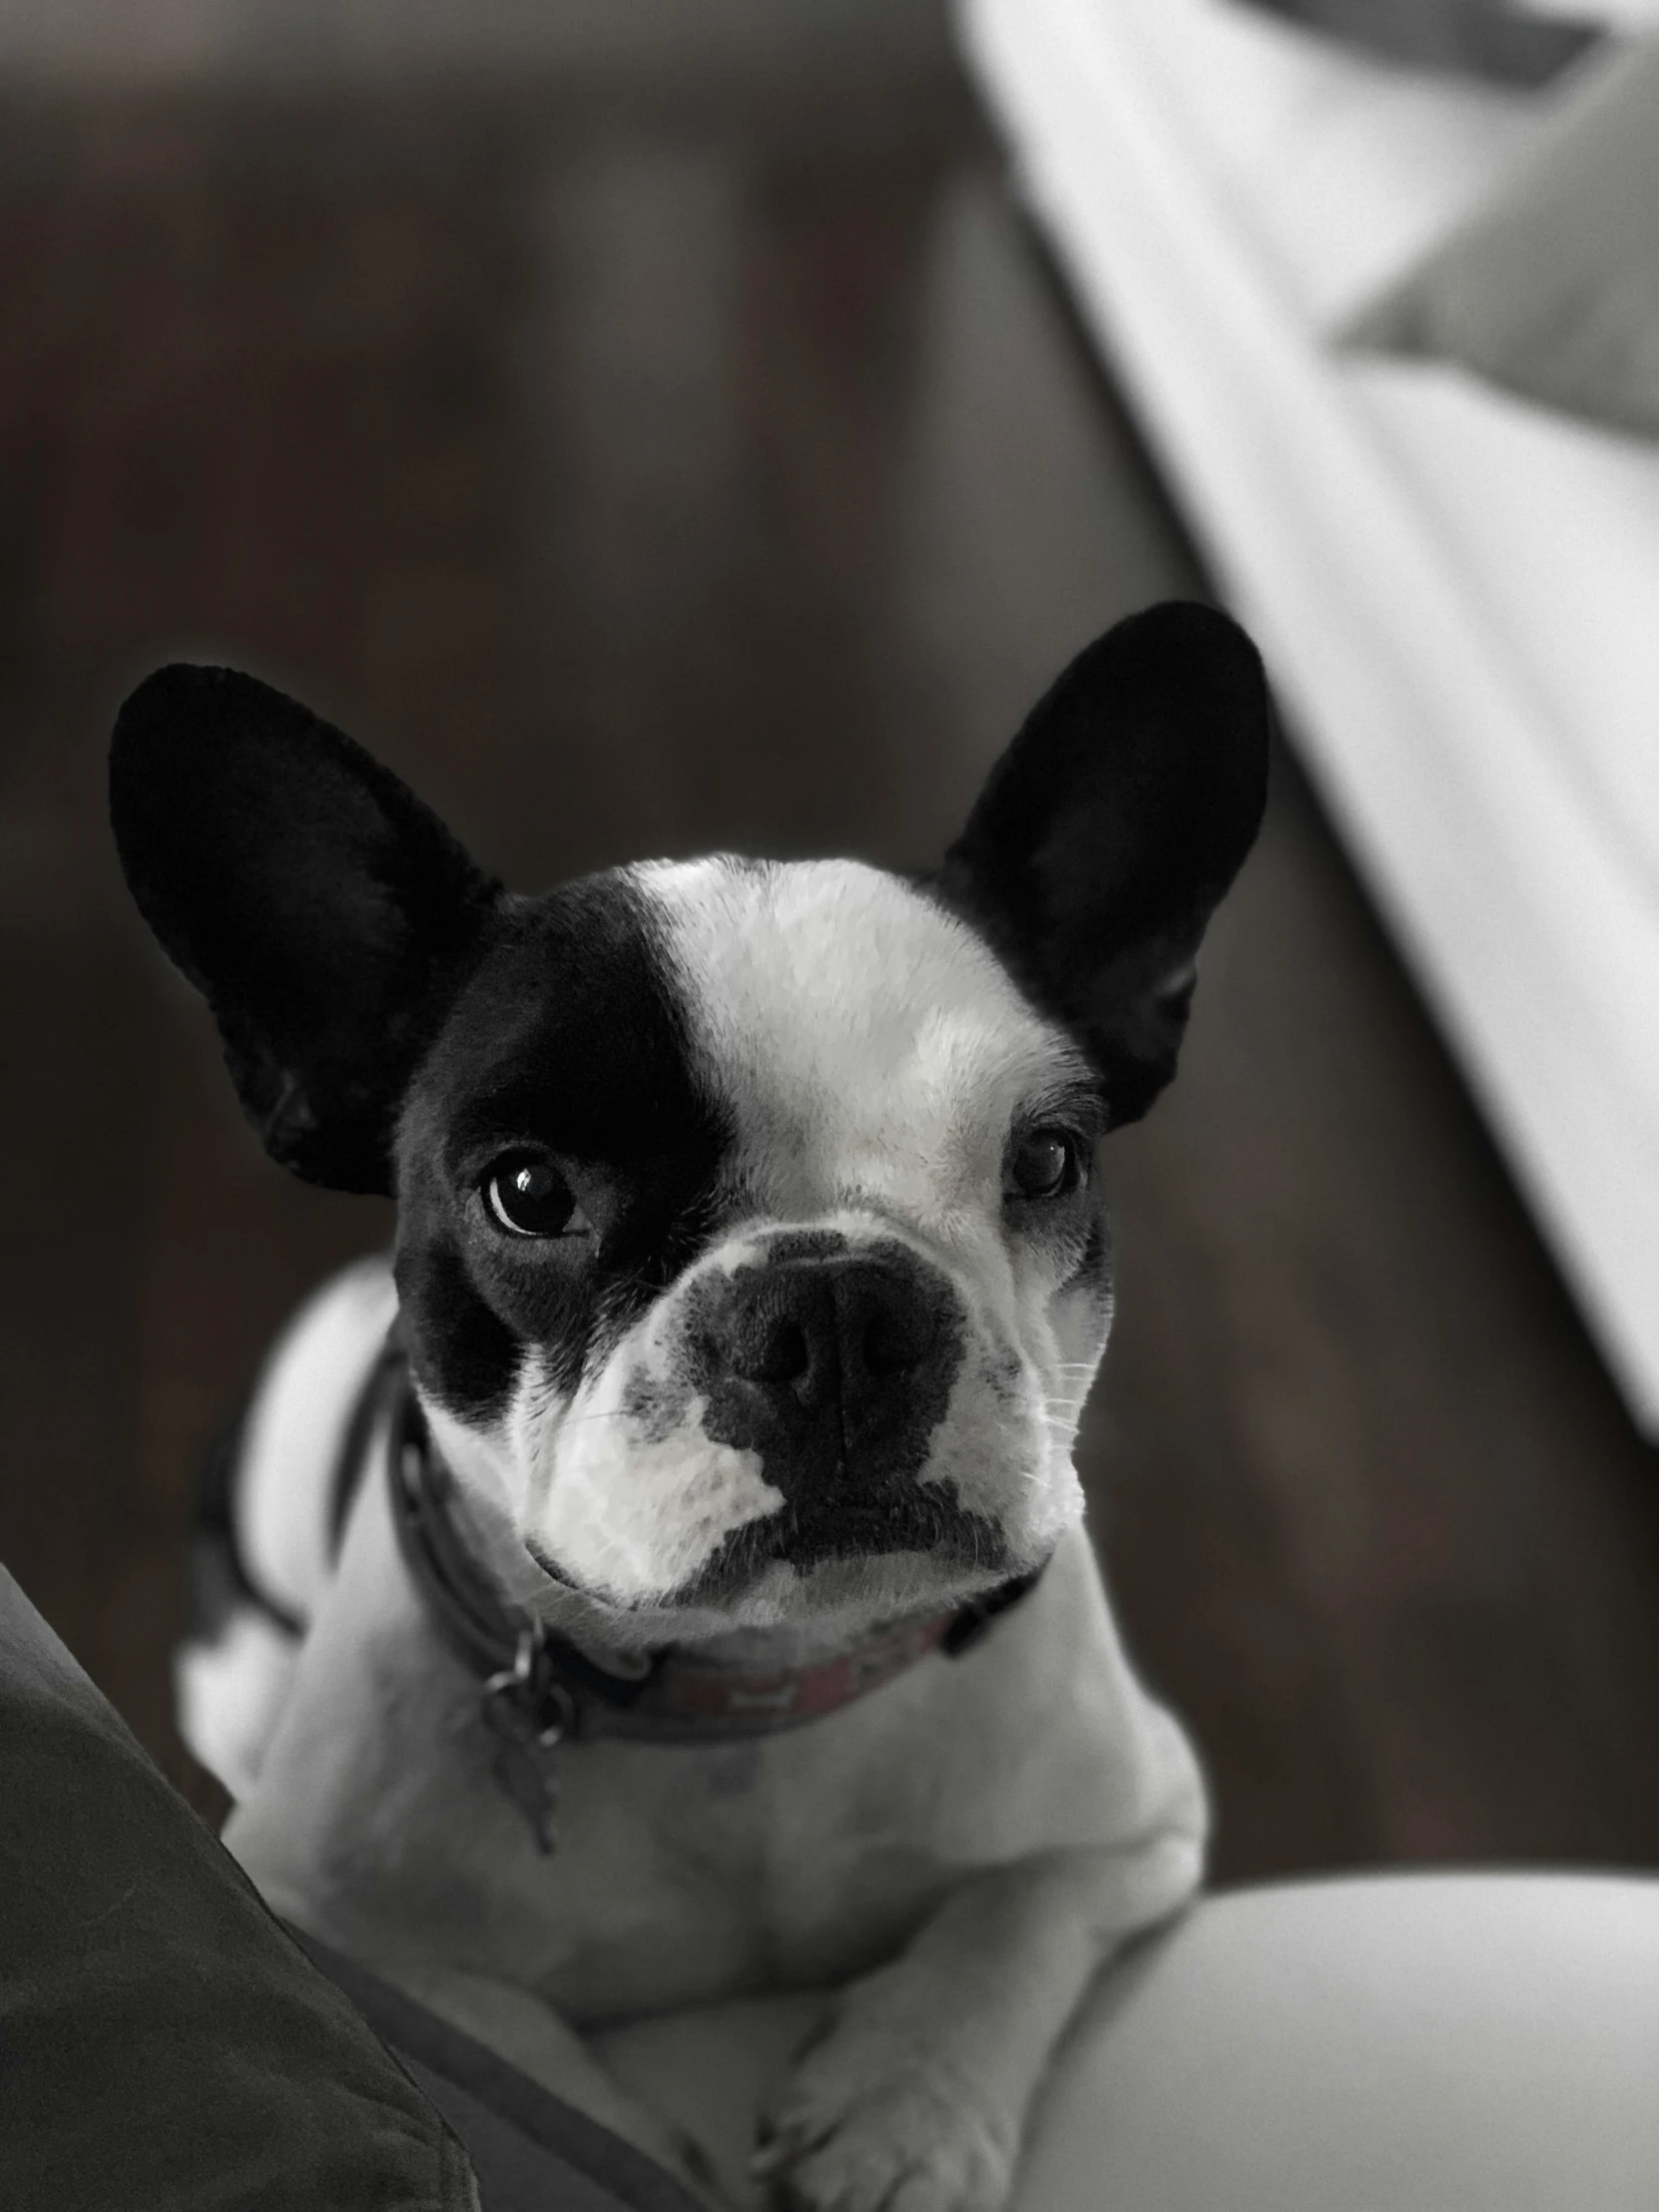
716, 1614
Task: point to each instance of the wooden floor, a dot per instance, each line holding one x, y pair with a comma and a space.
641, 476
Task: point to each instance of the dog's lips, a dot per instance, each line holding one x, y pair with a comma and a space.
552, 1569
927, 1525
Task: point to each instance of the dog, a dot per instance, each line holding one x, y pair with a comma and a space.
716, 1614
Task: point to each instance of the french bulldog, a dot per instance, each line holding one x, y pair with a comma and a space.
716, 1614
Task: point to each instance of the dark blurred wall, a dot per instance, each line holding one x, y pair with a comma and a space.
252, 40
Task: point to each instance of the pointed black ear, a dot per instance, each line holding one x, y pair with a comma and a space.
1109, 829
327, 915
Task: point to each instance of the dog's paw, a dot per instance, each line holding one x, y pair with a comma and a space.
868, 2122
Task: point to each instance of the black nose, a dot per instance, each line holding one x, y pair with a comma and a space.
810, 1333
836, 1364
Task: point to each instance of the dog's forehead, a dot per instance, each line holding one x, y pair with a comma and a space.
833, 1002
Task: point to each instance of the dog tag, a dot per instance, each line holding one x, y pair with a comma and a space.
523, 1764
528, 1729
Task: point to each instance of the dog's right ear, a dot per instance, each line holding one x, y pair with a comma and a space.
327, 916
1107, 832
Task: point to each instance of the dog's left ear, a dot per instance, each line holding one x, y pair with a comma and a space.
327, 915
1108, 832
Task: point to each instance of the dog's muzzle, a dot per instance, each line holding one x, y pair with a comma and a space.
835, 1363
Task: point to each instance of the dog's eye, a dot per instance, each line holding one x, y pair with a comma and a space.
528, 1198
1044, 1163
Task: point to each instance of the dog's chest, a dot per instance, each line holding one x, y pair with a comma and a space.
684, 1876
680, 1876
680, 1873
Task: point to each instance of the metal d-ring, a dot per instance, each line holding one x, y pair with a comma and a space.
518, 1675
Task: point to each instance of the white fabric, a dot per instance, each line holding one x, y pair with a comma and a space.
1339, 167
1557, 524
1622, 15
1385, 2046
1339, 172
1404, 2043
1482, 724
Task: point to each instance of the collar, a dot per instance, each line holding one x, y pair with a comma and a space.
538, 1690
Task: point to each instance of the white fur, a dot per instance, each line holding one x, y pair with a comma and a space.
294, 1429
872, 1049
634, 1512
228, 1692
228, 1695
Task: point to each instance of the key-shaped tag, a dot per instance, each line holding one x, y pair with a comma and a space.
529, 1722
523, 1764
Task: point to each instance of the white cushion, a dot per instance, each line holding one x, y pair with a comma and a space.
1485, 2042
1392, 2044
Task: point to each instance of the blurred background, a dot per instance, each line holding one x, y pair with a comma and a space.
662, 426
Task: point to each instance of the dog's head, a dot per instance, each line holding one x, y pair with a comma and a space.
750, 1249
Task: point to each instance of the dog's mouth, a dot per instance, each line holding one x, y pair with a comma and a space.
927, 1524
930, 1530
555, 1572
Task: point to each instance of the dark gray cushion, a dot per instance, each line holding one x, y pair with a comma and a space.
1551, 287
1478, 36
163, 2045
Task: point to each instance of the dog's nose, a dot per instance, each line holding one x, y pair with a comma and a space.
835, 1363
817, 1332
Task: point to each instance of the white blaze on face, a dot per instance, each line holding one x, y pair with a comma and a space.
874, 1055
869, 1048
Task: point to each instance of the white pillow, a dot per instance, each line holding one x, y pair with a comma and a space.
1482, 38
1551, 287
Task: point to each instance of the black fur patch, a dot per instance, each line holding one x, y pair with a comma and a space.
460, 1349
1094, 1266
569, 1039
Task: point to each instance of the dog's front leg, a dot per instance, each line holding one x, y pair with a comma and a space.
914, 2098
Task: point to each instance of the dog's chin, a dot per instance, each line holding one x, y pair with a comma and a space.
829, 1601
